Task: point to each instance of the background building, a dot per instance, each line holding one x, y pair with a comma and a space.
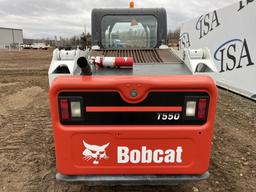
9, 36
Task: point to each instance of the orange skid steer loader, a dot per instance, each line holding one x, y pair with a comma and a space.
129, 110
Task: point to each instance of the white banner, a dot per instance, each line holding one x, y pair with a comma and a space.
230, 34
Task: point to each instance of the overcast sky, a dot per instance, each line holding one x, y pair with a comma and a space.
47, 18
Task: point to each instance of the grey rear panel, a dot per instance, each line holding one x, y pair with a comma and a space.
146, 69
146, 62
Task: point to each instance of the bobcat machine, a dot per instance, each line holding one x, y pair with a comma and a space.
130, 110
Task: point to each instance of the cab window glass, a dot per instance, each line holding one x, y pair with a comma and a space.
129, 31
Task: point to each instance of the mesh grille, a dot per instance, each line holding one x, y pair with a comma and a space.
139, 56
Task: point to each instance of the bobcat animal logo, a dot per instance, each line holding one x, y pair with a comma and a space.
95, 152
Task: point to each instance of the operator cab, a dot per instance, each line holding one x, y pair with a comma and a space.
137, 33
129, 28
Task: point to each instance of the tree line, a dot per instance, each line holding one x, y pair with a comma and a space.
85, 39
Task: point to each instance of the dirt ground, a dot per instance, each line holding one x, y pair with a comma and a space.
27, 160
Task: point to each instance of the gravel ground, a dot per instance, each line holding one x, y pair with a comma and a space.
27, 160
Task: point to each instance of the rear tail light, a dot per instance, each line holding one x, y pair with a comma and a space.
71, 109
75, 109
196, 108
202, 106
191, 109
64, 109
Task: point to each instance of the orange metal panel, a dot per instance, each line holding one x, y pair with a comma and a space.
171, 149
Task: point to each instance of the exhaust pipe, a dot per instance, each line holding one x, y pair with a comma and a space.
84, 65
